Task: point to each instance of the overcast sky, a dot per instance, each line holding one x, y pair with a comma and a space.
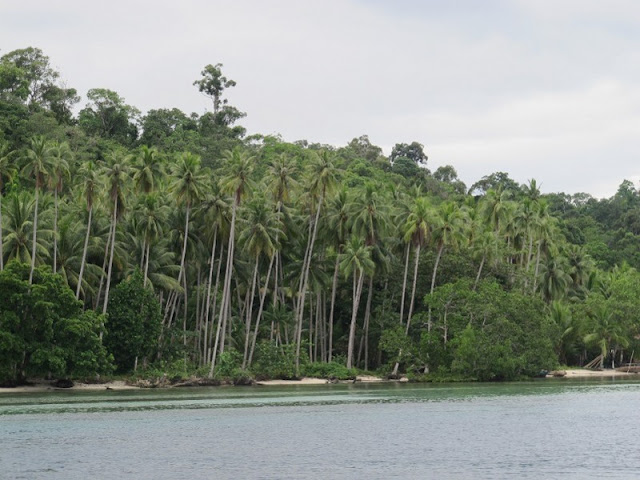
539, 89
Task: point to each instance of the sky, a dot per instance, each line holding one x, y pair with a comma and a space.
536, 88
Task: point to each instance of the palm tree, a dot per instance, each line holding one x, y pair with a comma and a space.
338, 221
216, 217
237, 182
151, 212
447, 230
356, 261
18, 225
417, 230
90, 185
322, 180
260, 236
147, 169
188, 186
116, 175
555, 278
371, 220
59, 170
7, 171
607, 333
37, 167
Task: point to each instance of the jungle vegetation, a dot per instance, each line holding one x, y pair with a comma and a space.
135, 241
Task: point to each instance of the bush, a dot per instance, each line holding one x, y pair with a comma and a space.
273, 361
331, 371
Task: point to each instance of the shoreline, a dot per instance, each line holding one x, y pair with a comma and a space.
121, 385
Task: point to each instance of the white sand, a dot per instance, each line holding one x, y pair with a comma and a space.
585, 373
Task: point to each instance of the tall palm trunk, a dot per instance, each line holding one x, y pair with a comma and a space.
333, 302
33, 243
260, 311
433, 281
357, 291
404, 282
226, 289
113, 243
205, 348
84, 254
305, 282
146, 263
413, 288
249, 314
183, 274
367, 317
1, 238
475, 284
55, 229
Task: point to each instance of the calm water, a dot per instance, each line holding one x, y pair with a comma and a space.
542, 430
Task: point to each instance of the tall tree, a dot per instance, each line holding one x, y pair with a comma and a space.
116, 174
37, 167
236, 181
322, 180
7, 171
356, 261
59, 171
90, 185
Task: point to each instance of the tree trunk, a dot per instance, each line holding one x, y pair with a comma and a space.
55, 230
333, 302
367, 316
413, 288
113, 243
33, 243
226, 289
433, 282
249, 314
84, 254
146, 263
303, 290
404, 282
207, 307
260, 311
357, 290
535, 275
475, 284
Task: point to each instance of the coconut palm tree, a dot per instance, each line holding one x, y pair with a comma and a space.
152, 213
116, 174
260, 236
322, 180
7, 171
59, 170
147, 169
90, 184
448, 231
356, 261
237, 182
188, 187
18, 224
36, 167
417, 231
338, 221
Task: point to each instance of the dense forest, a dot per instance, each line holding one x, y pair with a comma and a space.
173, 242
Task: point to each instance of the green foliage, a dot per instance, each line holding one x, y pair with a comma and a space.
43, 330
133, 325
273, 361
332, 371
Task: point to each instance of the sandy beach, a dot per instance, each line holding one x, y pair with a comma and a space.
42, 386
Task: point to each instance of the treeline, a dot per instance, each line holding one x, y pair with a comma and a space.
176, 241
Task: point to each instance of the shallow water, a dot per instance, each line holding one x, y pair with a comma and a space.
546, 429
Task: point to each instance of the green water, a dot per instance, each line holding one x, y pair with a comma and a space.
545, 429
